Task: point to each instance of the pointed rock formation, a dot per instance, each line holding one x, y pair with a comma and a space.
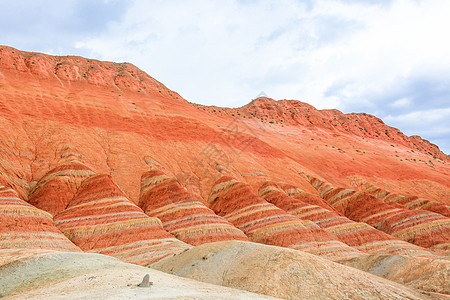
25, 226
182, 214
102, 219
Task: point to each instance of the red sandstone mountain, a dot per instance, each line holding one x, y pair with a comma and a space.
100, 157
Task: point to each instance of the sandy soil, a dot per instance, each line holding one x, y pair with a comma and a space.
95, 276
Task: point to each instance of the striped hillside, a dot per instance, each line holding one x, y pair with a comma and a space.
58, 187
419, 227
358, 235
25, 226
265, 223
181, 213
408, 201
102, 219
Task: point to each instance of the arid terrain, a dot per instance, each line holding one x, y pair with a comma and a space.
106, 175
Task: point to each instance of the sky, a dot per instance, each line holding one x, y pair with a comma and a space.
389, 58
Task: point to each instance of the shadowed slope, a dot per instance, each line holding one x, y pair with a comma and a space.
423, 228
265, 223
102, 219
181, 213
25, 226
358, 235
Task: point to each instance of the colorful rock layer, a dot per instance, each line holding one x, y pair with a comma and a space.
102, 219
58, 187
265, 223
358, 235
25, 226
182, 214
409, 201
420, 227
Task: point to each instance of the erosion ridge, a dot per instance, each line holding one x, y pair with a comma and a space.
101, 162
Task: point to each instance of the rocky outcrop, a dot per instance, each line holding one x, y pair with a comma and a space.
182, 214
304, 115
102, 219
79, 69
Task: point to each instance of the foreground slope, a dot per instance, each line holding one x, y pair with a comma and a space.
93, 276
280, 272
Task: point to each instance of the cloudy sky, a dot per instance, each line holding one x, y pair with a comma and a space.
390, 58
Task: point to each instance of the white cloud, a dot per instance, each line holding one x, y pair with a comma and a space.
422, 118
228, 51
401, 103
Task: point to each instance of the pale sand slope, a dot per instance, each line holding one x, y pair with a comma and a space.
432, 275
69, 275
282, 272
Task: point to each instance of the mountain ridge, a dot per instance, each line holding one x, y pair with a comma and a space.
105, 159
120, 75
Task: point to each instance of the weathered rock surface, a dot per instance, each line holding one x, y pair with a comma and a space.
425, 274
58, 187
359, 235
408, 201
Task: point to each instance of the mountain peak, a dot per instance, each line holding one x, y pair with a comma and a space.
124, 77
